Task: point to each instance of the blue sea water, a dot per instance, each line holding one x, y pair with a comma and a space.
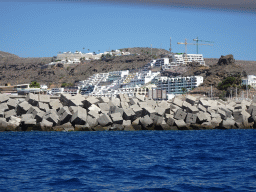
204, 160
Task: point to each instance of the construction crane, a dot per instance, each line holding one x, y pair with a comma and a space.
186, 43
197, 40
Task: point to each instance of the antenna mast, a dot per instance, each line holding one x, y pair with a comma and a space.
170, 45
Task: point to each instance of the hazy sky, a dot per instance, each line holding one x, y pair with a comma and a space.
42, 29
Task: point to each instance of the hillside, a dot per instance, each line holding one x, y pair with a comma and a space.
16, 70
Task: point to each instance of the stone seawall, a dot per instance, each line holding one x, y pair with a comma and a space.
77, 113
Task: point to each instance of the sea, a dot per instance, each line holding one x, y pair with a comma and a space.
199, 160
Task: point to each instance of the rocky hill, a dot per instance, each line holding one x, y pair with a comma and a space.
16, 70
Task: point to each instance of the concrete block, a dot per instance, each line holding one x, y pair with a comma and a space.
116, 118
73, 109
185, 105
26, 117
148, 111
92, 122
228, 123
168, 115
14, 121
124, 98
201, 108
137, 110
240, 106
1, 114
32, 99
104, 120
246, 103
64, 99
4, 107
160, 111
136, 124
212, 105
192, 109
39, 116
55, 104
231, 103
129, 114
93, 114
222, 113
104, 99
170, 120
177, 101
204, 103
44, 98
162, 125
230, 108
79, 117
64, 115
116, 127
90, 100
164, 104
23, 107
146, 121
174, 108
125, 105
4, 98
134, 101
94, 108
140, 97
191, 118
127, 123
227, 111
180, 124
76, 100
111, 105
118, 110
151, 103
201, 117
52, 117
154, 117
115, 101
180, 115
10, 113
190, 99
216, 122
43, 106
241, 116
85, 127
3, 124
104, 106
143, 104
12, 103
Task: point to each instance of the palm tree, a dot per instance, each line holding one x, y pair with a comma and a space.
184, 90
83, 49
88, 50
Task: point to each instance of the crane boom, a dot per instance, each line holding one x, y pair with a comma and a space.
201, 44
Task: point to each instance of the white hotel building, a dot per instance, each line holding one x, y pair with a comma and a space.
176, 84
178, 59
251, 80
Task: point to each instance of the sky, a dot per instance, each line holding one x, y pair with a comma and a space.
45, 28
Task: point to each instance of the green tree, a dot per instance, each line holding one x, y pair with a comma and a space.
34, 84
184, 90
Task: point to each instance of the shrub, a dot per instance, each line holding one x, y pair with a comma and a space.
34, 84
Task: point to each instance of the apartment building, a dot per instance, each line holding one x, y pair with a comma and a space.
177, 85
251, 80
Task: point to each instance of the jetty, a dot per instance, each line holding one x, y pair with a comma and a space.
35, 112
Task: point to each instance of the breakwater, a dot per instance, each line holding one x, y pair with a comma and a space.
78, 113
